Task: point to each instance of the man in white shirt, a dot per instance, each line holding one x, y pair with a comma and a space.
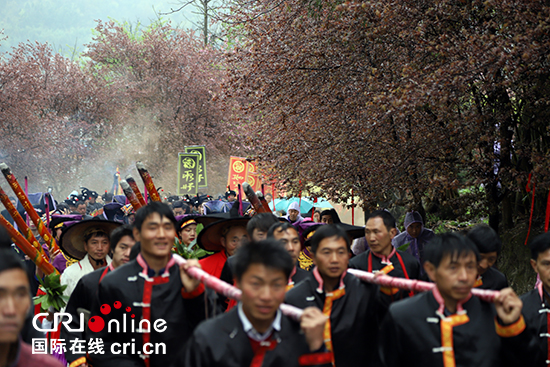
93, 241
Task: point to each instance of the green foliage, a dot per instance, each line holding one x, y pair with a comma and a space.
404, 247
54, 293
192, 251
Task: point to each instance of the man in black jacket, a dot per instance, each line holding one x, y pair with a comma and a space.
353, 307
256, 333
147, 309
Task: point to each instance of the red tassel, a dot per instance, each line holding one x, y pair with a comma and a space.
352, 209
300, 195
528, 189
273, 196
547, 220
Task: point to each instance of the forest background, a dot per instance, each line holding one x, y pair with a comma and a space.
438, 106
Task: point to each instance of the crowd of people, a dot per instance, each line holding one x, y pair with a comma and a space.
132, 301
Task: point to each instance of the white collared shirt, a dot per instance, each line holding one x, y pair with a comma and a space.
73, 273
251, 332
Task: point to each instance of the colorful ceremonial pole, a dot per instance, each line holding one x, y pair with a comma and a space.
48, 238
27, 194
385, 280
148, 181
352, 209
27, 248
130, 195
227, 289
253, 198
21, 222
413, 284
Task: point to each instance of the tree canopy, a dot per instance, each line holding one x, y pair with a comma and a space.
398, 98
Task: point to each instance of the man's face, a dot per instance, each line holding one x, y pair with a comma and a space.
327, 219
290, 240
414, 229
293, 214
378, 237
188, 234
231, 198
542, 267
487, 260
332, 257
121, 255
268, 198
81, 208
14, 303
156, 236
258, 235
233, 239
263, 291
178, 211
455, 276
97, 246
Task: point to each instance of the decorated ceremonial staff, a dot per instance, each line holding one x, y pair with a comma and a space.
294, 312
254, 200
21, 223
48, 238
27, 248
148, 181
130, 195
130, 180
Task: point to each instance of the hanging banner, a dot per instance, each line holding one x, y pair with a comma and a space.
237, 172
188, 173
253, 177
201, 151
242, 171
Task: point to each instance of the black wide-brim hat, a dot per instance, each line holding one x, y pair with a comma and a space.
210, 237
72, 240
352, 231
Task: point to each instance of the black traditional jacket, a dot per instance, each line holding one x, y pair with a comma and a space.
419, 332
354, 317
140, 294
82, 297
222, 342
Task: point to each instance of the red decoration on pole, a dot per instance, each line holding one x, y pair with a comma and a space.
352, 209
21, 223
148, 181
130, 180
313, 209
273, 196
413, 284
547, 219
528, 189
27, 248
16, 187
27, 195
300, 195
130, 196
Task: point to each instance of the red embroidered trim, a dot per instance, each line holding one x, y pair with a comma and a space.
197, 292
315, 358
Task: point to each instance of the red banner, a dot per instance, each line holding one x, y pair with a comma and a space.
240, 170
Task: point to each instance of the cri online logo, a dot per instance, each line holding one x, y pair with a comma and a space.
97, 324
